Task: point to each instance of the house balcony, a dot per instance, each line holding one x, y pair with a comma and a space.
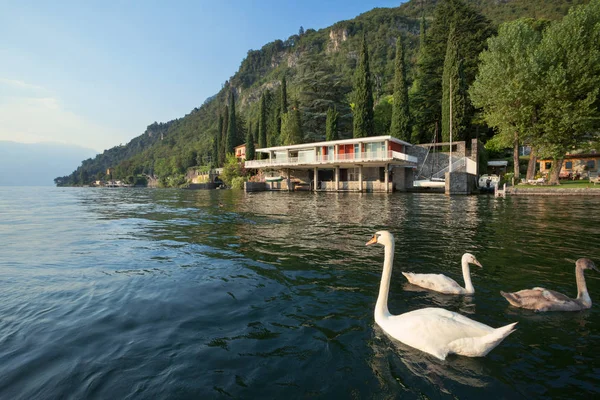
332, 159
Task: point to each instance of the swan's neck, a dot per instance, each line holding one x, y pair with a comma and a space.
467, 277
381, 308
582, 292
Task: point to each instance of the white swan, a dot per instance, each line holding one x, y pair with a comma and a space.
540, 299
443, 284
435, 331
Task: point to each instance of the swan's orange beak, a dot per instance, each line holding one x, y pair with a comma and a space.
373, 240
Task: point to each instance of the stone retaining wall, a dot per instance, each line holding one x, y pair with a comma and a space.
516, 191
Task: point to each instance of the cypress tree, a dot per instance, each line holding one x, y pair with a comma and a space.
331, 124
262, 123
223, 141
400, 114
256, 132
250, 150
216, 142
283, 99
232, 128
363, 95
453, 73
471, 35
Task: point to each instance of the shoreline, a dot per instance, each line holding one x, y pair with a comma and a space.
552, 191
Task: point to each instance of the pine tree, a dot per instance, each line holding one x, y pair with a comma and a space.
331, 124
320, 87
250, 150
363, 95
400, 113
453, 75
262, 122
291, 126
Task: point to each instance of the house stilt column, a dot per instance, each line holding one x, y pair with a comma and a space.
337, 179
386, 175
360, 179
316, 179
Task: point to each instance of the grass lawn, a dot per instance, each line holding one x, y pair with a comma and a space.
581, 184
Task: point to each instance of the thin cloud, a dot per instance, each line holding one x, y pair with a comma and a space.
20, 84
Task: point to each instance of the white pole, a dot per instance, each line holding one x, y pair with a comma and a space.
450, 158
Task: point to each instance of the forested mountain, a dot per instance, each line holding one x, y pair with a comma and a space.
318, 68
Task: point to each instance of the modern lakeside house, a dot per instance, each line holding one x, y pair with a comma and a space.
370, 164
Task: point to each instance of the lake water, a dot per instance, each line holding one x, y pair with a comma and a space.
141, 293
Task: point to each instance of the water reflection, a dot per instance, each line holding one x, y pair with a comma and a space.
272, 294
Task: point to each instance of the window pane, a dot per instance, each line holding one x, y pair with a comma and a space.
591, 164
569, 165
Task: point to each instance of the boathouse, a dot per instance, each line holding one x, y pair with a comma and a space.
370, 164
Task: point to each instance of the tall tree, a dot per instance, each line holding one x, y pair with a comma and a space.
250, 149
400, 112
216, 142
320, 87
453, 89
262, 122
570, 57
232, 128
291, 126
508, 78
363, 95
283, 96
471, 30
331, 124
223, 141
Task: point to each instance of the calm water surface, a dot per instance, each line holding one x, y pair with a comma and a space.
139, 293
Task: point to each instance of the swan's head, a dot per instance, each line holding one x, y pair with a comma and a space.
382, 237
586, 263
470, 258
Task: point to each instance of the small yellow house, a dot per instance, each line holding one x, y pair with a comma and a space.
240, 152
574, 164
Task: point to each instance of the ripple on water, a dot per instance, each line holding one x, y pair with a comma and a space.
162, 293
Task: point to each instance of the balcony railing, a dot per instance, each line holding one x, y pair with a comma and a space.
332, 159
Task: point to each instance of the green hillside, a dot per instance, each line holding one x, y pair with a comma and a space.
318, 67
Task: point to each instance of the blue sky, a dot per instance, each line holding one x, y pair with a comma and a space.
96, 73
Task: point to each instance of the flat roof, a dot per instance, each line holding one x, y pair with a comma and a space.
497, 163
368, 139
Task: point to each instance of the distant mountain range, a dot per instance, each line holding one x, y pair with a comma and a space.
37, 164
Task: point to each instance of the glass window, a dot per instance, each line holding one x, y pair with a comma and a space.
569, 165
591, 164
548, 165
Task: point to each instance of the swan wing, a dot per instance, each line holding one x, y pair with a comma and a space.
437, 282
540, 299
553, 296
432, 329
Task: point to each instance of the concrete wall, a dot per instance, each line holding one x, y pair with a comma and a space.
255, 186
460, 183
353, 186
402, 177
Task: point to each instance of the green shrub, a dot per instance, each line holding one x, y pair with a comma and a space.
238, 182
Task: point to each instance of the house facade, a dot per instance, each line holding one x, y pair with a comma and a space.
574, 165
377, 164
240, 152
